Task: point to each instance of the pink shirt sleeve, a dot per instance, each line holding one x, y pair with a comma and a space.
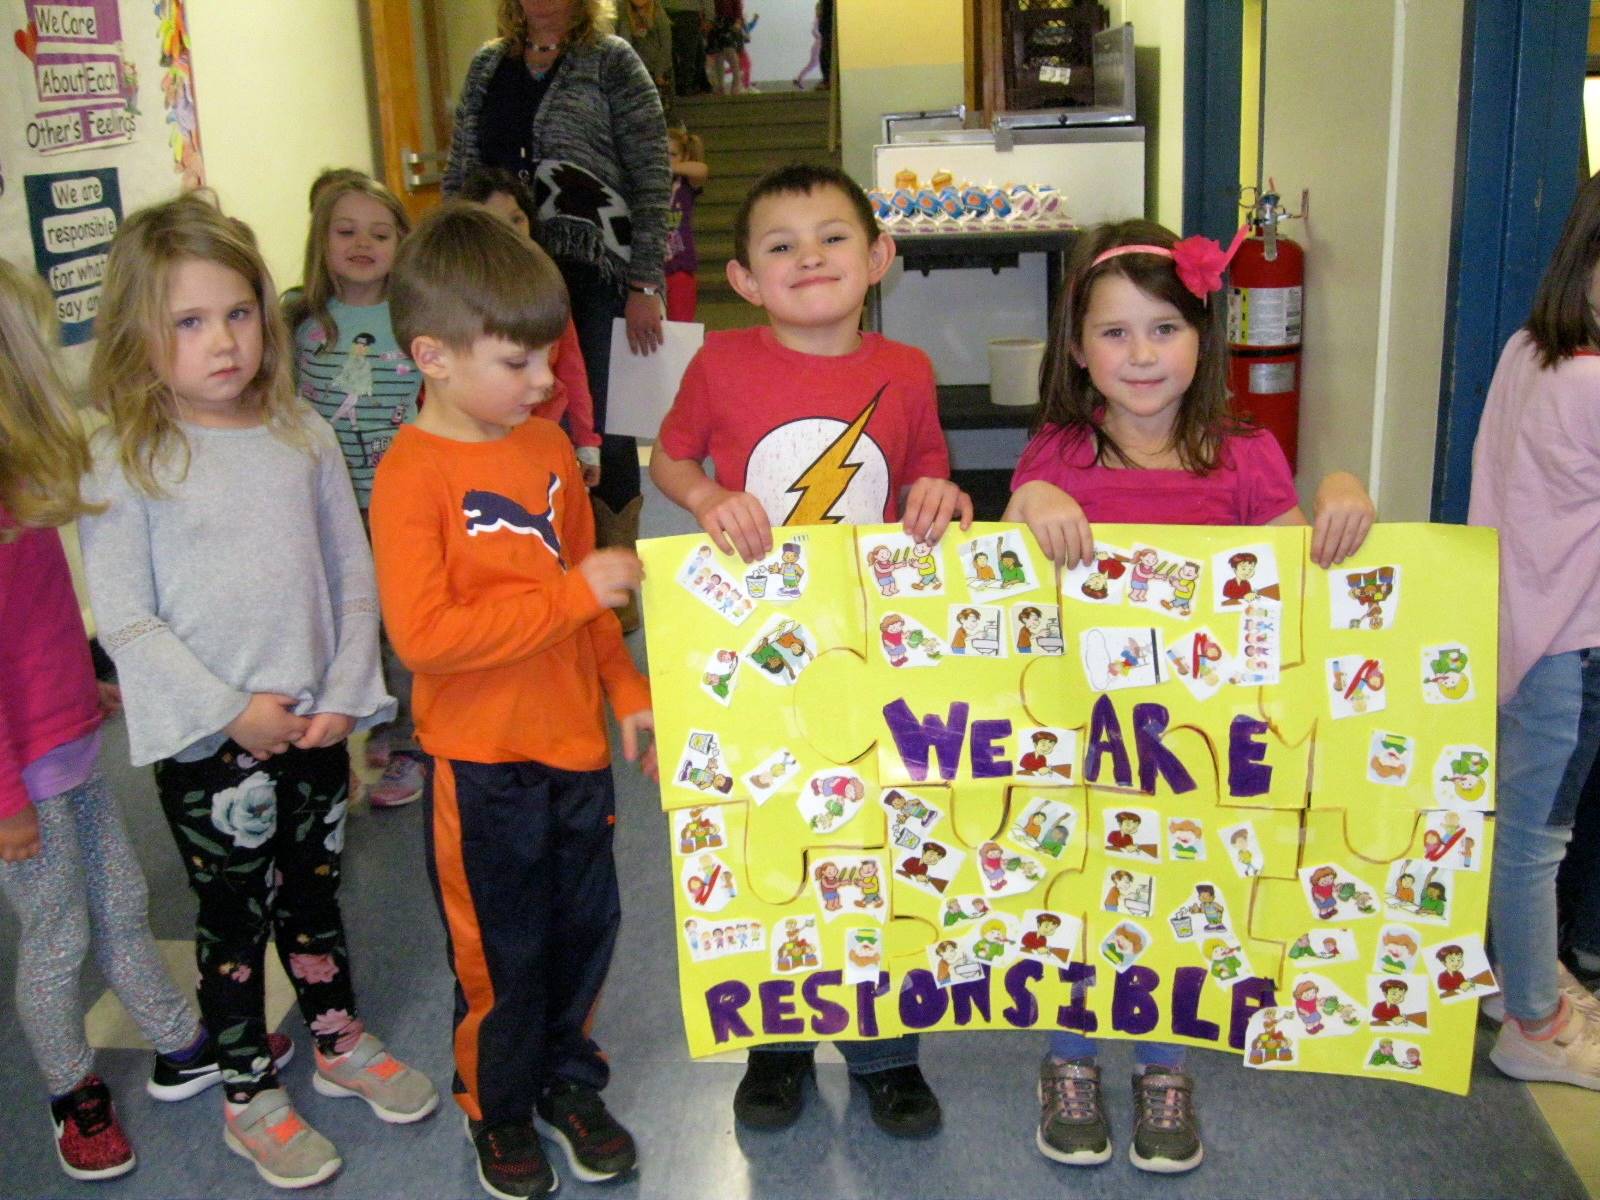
573, 375
1044, 458
1266, 486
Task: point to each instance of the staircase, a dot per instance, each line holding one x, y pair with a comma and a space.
745, 137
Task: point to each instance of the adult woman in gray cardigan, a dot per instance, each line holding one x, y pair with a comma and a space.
576, 115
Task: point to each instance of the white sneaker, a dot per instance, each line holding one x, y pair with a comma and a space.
1493, 1008
1571, 1056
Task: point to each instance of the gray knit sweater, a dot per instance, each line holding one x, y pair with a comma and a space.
602, 114
252, 575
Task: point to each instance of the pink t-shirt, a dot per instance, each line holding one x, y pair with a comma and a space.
48, 697
1251, 485
1536, 477
770, 417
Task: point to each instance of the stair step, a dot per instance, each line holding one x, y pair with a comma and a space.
741, 137
759, 160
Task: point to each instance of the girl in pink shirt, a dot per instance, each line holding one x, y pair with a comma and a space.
1536, 477
1135, 426
66, 866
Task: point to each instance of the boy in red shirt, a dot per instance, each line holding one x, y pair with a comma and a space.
810, 421
494, 595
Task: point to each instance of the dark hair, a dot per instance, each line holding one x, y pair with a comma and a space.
1068, 397
465, 274
486, 181
332, 175
799, 179
1562, 323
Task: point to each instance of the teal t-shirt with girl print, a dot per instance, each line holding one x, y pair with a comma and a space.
364, 384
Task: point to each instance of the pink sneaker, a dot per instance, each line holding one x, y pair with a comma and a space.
379, 749
401, 783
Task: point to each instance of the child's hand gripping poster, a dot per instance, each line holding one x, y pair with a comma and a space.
1198, 791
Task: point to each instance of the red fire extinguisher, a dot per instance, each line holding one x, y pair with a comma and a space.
1265, 301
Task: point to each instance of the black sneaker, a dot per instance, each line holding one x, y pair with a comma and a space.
901, 1101
1166, 1136
511, 1162
771, 1095
171, 1080
596, 1146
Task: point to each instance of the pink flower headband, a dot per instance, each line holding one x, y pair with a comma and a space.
1199, 261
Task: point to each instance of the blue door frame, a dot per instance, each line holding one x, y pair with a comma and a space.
1517, 168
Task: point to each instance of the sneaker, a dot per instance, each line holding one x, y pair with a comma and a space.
901, 1102
395, 1092
1493, 1008
285, 1151
379, 750
172, 1080
511, 1162
596, 1146
89, 1141
1072, 1117
1571, 1055
1166, 1137
401, 783
771, 1095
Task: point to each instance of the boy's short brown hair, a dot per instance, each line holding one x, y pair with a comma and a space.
799, 179
464, 274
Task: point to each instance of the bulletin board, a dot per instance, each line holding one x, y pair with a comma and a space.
99, 120
1198, 791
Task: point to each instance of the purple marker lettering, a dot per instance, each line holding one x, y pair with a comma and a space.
914, 739
1105, 737
986, 760
1248, 995
777, 1007
1076, 1014
1149, 723
922, 1000
867, 1004
1133, 1001
1187, 987
831, 1018
1023, 1011
723, 1002
1248, 775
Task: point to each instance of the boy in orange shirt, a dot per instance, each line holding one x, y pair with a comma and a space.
495, 597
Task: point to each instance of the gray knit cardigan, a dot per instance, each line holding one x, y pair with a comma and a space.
601, 113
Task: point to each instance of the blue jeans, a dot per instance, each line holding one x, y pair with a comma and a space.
1549, 732
1069, 1044
863, 1058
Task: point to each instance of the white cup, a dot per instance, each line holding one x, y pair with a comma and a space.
1014, 370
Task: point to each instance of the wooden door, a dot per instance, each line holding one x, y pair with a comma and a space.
413, 111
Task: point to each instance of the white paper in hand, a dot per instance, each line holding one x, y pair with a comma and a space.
643, 386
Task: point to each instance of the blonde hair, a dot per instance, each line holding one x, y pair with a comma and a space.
43, 454
134, 337
317, 287
589, 24
694, 147
466, 274
651, 8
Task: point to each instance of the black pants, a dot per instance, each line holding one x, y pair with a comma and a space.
688, 54
596, 302
519, 855
261, 843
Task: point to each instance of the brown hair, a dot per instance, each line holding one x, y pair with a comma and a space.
800, 179
134, 338
588, 26
317, 285
43, 454
1068, 398
329, 176
465, 274
1562, 322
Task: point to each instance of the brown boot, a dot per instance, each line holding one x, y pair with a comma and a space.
620, 529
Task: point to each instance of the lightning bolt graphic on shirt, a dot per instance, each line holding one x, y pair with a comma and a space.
823, 483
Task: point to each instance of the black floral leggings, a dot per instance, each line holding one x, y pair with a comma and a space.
260, 842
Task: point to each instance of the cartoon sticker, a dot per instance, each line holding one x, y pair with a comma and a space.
830, 798
1260, 647
1037, 628
796, 946
930, 865
898, 564
1323, 945
910, 815
715, 580
1355, 686
701, 829
701, 769
1049, 756
850, 885
1389, 758
1133, 833
1333, 892
709, 883
863, 954
1103, 581
1121, 658
784, 577
1244, 576
1049, 935
1003, 870
1398, 947
720, 676
1393, 1054
1045, 826
1124, 945
905, 643
1365, 597
1186, 839
997, 565
978, 630
775, 772
1459, 969
1127, 893
1244, 849
1200, 663
782, 650
1270, 1039
1453, 839
1395, 1002
951, 963
1446, 675
959, 910
1226, 962
1322, 1009
714, 939
1462, 777
1422, 891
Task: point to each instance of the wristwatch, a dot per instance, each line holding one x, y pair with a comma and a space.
645, 289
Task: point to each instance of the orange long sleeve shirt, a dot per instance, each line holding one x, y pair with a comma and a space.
477, 545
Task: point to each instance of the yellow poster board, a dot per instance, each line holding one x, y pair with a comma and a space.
1200, 791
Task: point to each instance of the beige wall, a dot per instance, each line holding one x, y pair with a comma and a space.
1361, 109
282, 91
1158, 54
